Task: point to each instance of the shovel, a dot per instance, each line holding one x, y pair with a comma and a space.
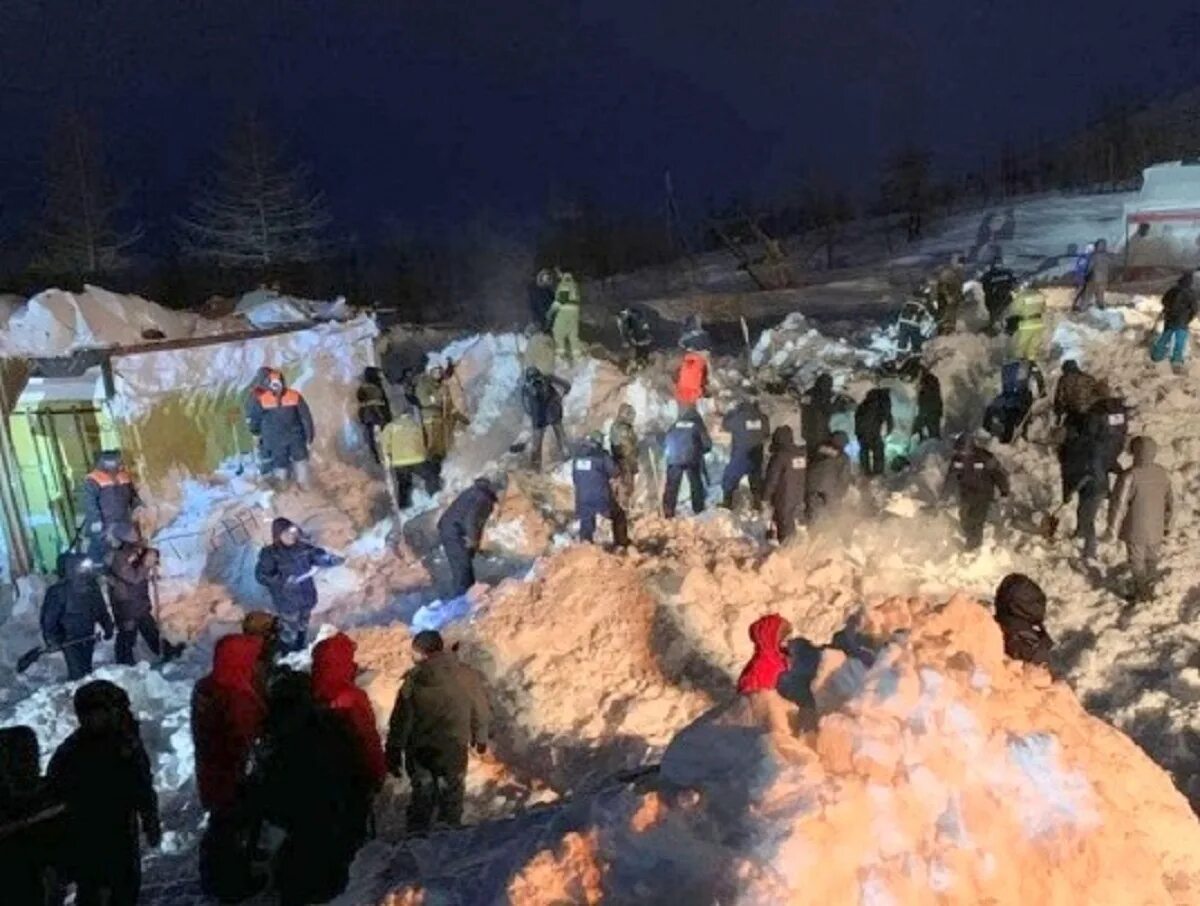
30, 657
1049, 523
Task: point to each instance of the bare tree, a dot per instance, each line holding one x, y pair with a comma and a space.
256, 211
78, 233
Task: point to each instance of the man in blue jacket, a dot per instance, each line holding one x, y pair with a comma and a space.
280, 418
460, 530
594, 473
71, 611
686, 443
286, 567
748, 430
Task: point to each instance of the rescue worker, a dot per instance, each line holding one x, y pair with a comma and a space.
634, 327
374, 410
1006, 416
542, 397
539, 350
286, 568
102, 774
1178, 311
1021, 615
310, 782
828, 478
564, 319
31, 822
402, 446
694, 337
950, 295
333, 686
280, 418
133, 569
440, 416
873, 422
917, 322
438, 718
817, 408
228, 714
748, 430
998, 284
541, 295
1095, 283
977, 477
594, 474
686, 444
759, 679
1024, 324
1076, 393
623, 442
1140, 515
460, 530
1107, 422
1084, 472
691, 379
927, 424
71, 611
784, 489
110, 500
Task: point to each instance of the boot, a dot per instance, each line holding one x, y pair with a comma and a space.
727, 500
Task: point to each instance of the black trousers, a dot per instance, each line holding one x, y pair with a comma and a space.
786, 523
871, 454
671, 491
927, 425
973, 515
538, 440
436, 794
79, 659
461, 561
127, 634
620, 523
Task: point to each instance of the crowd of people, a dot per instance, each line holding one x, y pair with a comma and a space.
264, 730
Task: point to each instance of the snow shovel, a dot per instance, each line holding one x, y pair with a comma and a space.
30, 657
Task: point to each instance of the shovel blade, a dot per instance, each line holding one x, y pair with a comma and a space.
28, 659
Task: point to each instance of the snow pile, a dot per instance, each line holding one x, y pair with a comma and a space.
265, 308
937, 771
55, 322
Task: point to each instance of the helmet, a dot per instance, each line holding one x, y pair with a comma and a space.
109, 460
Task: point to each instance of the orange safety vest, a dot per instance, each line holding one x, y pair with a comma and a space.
105, 480
269, 400
693, 374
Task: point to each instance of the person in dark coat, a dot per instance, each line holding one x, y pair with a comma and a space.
872, 423
1085, 473
1076, 393
542, 397
439, 716
623, 442
928, 423
280, 418
828, 478
227, 717
686, 444
286, 567
998, 285
634, 327
1006, 416
748, 430
816, 410
784, 490
1021, 613
31, 822
374, 410
1178, 311
109, 502
595, 475
102, 774
977, 477
460, 530
541, 296
72, 610
310, 781
133, 568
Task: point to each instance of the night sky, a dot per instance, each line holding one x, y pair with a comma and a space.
427, 112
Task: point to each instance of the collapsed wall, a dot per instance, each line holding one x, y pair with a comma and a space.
937, 772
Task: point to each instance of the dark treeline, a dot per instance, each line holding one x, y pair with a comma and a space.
257, 219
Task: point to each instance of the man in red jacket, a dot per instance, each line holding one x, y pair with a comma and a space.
333, 672
228, 711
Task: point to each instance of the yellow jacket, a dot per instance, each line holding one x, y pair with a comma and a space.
1029, 305
402, 442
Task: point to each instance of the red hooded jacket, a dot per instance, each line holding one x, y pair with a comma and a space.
333, 671
769, 661
227, 716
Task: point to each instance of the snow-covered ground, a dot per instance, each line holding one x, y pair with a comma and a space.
597, 661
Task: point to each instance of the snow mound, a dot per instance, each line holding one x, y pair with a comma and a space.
56, 322
937, 772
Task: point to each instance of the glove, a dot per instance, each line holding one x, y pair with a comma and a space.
108, 633
481, 748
